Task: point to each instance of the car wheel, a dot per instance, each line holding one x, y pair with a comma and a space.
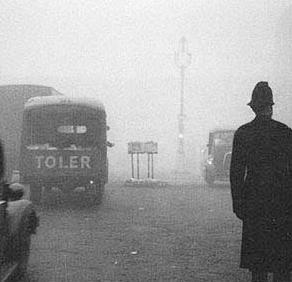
24, 255
22, 246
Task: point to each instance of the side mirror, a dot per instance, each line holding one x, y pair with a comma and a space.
16, 191
110, 144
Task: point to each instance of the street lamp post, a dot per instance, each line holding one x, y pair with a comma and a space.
182, 61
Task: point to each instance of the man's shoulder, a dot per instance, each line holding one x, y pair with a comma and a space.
243, 128
280, 125
250, 127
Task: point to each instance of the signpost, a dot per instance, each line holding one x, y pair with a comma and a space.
136, 148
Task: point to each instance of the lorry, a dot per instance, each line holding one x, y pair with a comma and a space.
13, 98
64, 146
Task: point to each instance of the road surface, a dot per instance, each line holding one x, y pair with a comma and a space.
173, 233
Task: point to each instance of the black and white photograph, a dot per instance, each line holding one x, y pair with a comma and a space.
145, 141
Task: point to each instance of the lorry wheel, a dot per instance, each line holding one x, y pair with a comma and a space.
98, 193
101, 190
94, 193
35, 193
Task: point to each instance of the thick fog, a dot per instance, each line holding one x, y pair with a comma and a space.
122, 52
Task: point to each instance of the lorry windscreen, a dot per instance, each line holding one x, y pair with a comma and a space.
66, 129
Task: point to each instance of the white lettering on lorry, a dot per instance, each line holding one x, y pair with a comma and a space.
85, 162
50, 162
39, 159
71, 162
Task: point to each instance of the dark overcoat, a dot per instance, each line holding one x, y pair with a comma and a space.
261, 188
1, 161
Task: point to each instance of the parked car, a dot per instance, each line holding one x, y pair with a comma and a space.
18, 221
217, 164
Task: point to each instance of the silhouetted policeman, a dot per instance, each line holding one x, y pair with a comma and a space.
1, 161
261, 187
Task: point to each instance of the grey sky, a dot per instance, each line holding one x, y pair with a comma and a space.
123, 52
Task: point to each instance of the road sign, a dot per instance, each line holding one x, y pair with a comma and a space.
136, 148
151, 147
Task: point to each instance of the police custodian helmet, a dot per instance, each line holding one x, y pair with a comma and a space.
262, 95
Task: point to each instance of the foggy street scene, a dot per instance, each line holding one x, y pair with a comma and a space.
145, 140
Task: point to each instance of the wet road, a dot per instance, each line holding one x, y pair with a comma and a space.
140, 234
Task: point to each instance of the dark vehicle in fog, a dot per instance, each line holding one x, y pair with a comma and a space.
13, 98
18, 221
64, 146
217, 164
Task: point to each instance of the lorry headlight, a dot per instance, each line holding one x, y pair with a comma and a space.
210, 160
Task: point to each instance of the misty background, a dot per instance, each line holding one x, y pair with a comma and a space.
122, 52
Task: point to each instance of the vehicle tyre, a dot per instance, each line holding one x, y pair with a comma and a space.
94, 193
24, 255
35, 193
21, 249
101, 190
98, 193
